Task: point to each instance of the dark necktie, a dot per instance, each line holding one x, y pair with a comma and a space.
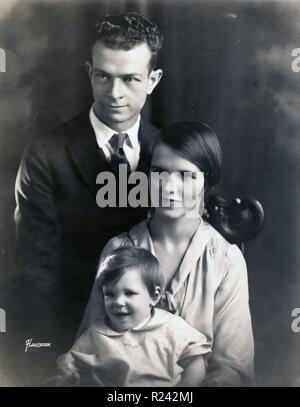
117, 155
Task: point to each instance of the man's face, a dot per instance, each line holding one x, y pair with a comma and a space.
121, 81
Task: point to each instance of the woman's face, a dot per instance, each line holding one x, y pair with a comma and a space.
176, 184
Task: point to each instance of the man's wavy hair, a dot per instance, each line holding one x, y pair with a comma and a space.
126, 31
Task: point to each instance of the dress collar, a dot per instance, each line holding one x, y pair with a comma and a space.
140, 235
159, 317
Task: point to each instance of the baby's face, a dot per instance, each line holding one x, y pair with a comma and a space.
127, 302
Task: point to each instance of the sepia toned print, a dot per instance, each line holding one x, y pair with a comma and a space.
233, 65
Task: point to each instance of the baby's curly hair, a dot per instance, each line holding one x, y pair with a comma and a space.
128, 30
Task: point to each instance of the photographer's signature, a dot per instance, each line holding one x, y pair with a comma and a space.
29, 344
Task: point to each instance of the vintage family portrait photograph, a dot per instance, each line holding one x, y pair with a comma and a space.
149, 193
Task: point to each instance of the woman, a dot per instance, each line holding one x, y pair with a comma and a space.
206, 276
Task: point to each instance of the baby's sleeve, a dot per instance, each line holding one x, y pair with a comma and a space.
191, 343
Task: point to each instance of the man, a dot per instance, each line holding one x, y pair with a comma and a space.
60, 229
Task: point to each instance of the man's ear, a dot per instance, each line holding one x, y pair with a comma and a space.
89, 69
154, 78
156, 296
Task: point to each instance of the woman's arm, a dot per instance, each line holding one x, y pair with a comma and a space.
194, 372
231, 362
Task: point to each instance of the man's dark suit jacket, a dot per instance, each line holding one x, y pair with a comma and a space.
60, 229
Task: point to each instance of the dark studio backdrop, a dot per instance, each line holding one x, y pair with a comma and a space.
227, 63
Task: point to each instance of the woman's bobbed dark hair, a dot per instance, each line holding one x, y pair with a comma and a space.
198, 143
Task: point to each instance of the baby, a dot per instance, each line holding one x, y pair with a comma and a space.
132, 343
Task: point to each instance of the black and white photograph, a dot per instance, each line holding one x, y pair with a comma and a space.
149, 226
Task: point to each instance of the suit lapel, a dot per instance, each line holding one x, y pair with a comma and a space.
84, 151
147, 134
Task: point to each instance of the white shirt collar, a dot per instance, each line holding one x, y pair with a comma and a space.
104, 133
